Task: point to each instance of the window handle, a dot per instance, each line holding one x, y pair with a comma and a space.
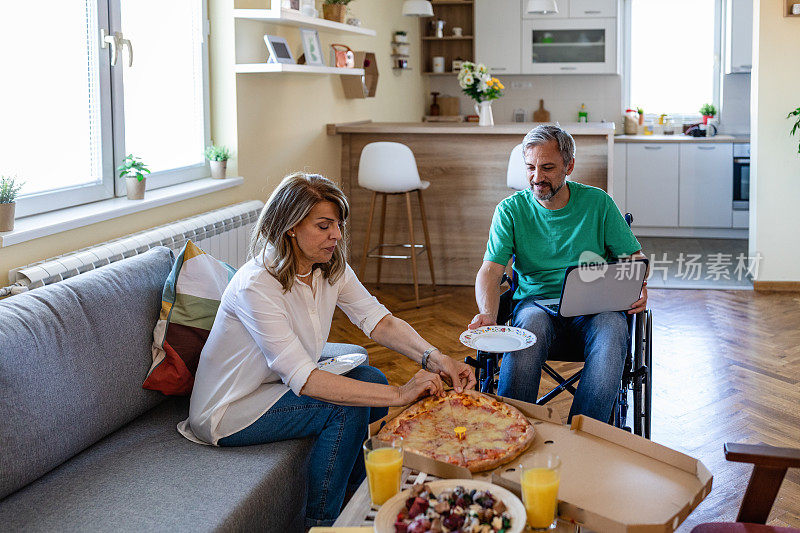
591, 12
106, 40
706, 147
652, 148
127, 42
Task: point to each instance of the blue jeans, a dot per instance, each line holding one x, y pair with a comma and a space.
603, 338
335, 460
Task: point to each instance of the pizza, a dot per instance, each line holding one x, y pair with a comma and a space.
467, 429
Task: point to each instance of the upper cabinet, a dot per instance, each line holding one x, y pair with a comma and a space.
739, 36
497, 35
569, 46
575, 9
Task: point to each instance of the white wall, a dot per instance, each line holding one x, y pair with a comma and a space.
563, 96
775, 163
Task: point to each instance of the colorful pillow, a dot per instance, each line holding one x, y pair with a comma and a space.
189, 304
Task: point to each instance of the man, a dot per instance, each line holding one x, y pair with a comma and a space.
547, 228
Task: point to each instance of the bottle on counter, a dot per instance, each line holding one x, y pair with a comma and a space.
583, 114
631, 121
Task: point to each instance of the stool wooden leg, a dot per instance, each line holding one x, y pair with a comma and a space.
363, 269
427, 237
413, 247
380, 239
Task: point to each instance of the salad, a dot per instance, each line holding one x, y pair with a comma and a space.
456, 510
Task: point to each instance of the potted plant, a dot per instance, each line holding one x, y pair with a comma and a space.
335, 10
218, 159
9, 188
401, 37
708, 111
478, 84
795, 113
135, 174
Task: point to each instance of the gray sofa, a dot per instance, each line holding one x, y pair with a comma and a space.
84, 448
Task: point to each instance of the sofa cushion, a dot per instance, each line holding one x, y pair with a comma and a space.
191, 297
72, 359
147, 477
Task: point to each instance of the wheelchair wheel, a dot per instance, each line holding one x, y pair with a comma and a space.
648, 389
639, 378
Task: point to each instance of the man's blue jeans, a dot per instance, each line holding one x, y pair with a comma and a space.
336, 458
603, 338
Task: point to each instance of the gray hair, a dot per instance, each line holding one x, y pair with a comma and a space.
549, 132
288, 205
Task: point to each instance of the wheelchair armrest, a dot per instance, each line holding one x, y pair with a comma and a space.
506, 307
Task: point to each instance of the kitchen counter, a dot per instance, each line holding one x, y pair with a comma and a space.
465, 128
681, 139
466, 165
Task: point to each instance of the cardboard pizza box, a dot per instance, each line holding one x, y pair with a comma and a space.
611, 480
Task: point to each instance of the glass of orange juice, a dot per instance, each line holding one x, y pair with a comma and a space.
384, 463
539, 479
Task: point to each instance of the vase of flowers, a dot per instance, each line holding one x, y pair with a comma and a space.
478, 84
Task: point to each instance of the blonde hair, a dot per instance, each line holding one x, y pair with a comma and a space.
287, 206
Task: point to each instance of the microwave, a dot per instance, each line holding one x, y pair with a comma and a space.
569, 46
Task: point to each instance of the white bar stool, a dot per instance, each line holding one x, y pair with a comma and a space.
517, 174
390, 168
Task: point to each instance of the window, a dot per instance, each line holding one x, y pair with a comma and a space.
672, 55
69, 116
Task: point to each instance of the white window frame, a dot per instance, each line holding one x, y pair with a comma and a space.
625, 33
113, 130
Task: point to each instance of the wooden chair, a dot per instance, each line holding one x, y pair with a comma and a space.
769, 468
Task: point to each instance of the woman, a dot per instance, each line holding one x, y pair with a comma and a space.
272, 323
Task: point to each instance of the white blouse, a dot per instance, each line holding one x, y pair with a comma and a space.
265, 342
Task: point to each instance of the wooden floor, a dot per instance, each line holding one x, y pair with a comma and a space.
726, 369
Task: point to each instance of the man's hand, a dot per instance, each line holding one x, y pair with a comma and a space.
482, 319
640, 304
460, 375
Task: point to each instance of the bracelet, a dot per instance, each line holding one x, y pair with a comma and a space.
425, 355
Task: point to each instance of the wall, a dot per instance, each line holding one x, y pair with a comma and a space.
274, 122
775, 163
563, 96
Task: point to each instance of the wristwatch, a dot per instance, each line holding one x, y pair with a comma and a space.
425, 355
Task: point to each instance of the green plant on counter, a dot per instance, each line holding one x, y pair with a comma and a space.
708, 110
217, 153
132, 167
334, 2
795, 113
9, 188
640, 111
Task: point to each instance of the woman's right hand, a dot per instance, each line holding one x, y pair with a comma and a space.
421, 384
482, 319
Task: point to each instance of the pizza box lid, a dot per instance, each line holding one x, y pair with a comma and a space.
611, 480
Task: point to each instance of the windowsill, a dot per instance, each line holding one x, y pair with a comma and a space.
36, 226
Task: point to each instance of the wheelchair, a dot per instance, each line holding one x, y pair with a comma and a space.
636, 375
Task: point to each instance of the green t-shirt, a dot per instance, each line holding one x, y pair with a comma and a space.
546, 241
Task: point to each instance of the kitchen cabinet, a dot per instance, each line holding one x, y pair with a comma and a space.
652, 184
706, 185
497, 35
563, 11
593, 8
569, 46
738, 36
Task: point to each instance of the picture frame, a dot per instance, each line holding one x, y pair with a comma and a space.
312, 47
279, 51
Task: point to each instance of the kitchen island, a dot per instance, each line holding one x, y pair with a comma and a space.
466, 166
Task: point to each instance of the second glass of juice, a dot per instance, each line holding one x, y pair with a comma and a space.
539, 479
384, 463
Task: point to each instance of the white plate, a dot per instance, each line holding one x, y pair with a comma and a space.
497, 339
342, 363
384, 520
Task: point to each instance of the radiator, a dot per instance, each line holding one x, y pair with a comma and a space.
224, 233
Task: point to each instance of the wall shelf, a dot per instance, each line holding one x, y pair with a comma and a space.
448, 38
291, 17
270, 68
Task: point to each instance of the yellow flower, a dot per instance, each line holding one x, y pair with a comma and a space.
501, 86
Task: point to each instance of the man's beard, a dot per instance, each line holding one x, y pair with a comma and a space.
548, 196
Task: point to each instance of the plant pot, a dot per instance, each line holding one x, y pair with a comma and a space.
334, 12
706, 118
484, 111
7, 216
135, 188
218, 169
398, 38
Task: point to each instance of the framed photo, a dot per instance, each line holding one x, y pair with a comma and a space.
279, 51
312, 48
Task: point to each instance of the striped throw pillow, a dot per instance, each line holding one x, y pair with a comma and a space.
189, 304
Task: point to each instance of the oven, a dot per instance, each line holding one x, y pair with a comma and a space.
741, 176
